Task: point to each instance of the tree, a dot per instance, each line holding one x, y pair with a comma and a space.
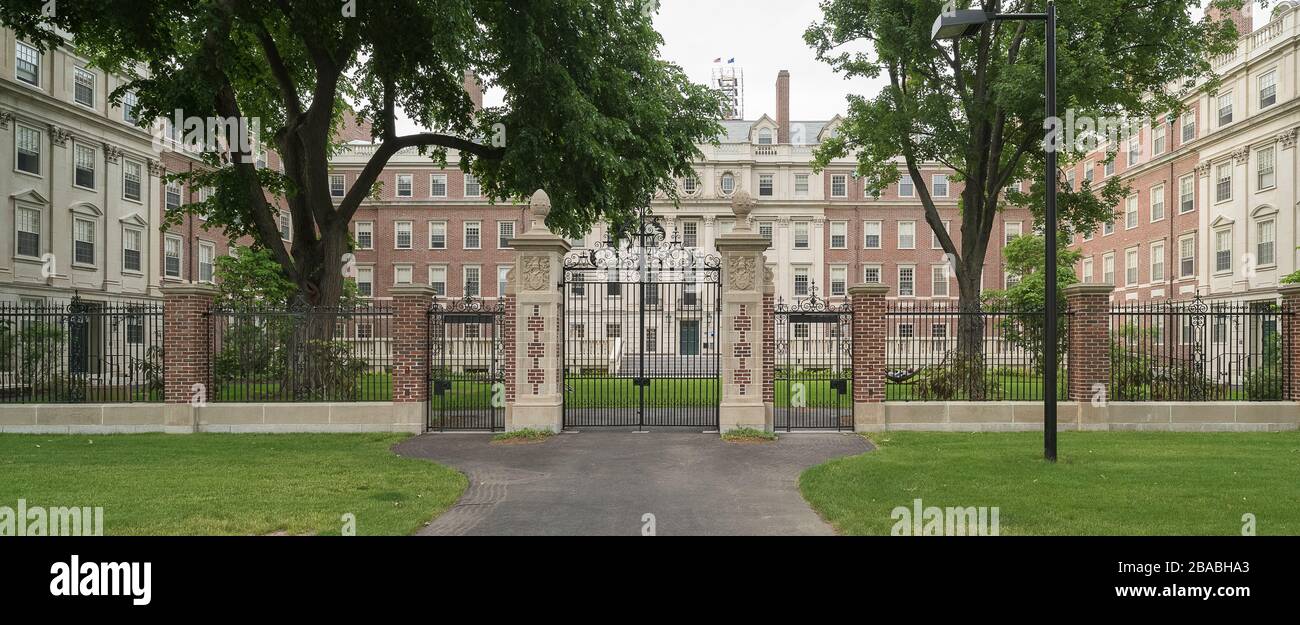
590, 113
976, 105
1024, 302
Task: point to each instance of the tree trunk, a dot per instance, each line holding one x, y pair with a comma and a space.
969, 368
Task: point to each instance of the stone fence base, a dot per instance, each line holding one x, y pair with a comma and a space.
231, 418
1072, 416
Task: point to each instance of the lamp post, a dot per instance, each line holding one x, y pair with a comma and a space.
957, 24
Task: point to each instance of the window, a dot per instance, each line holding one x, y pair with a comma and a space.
690, 185
503, 271
366, 281
403, 274
871, 274
801, 281
906, 281
939, 184
577, 286
1108, 228
83, 86
652, 340
1266, 169
1069, 180
690, 234
1223, 250
839, 235
83, 242
1130, 266
765, 185
1089, 170
438, 279
260, 163
906, 188
365, 235
1157, 261
84, 161
801, 185
765, 229
1087, 270
1186, 194
613, 330
905, 331
473, 235
800, 235
1157, 139
472, 186
129, 108
131, 238
839, 185
402, 235
1187, 256
1012, 230
286, 226
1108, 169
27, 142
29, 232
437, 235
1108, 269
906, 235
1225, 109
839, 280
437, 185
1268, 89
1157, 199
207, 256
765, 136
1265, 247
1189, 127
871, 235
173, 251
1223, 182
935, 243
337, 185
505, 232
131, 174
939, 280
28, 64
405, 185
173, 195
1134, 150
728, 183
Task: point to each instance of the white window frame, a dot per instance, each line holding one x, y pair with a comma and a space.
472, 181
839, 285
369, 228
1087, 270
843, 234
129, 232
92, 230
1221, 182
211, 265
1132, 274
868, 269
1224, 103
1221, 253
939, 278
1108, 268
368, 273
465, 281
1011, 230
434, 227
503, 273
40, 150
801, 185
77, 149
795, 229
464, 233
410, 185
1260, 242
910, 289
403, 227
127, 166
1156, 270
1131, 219
1186, 242
1158, 136
906, 187
867, 228
843, 181
1189, 122
179, 256
1190, 185
436, 180
805, 272
342, 185
770, 181
399, 269
1267, 81
19, 48
1261, 184
1156, 199
935, 243
939, 185
908, 227
502, 240
439, 286
79, 72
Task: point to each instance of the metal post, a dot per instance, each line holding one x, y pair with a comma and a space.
1049, 236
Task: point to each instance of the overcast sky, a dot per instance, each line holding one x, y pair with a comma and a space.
764, 36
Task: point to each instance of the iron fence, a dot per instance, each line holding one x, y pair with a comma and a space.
942, 352
81, 351
1198, 351
300, 354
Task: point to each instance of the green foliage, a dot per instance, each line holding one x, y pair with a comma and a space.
590, 113
1292, 278
1139, 373
1263, 380
1026, 257
976, 105
529, 435
748, 435
250, 276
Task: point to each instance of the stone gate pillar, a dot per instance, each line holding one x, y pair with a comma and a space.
534, 286
186, 350
869, 363
410, 353
1087, 354
744, 285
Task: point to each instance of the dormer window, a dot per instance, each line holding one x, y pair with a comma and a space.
765, 136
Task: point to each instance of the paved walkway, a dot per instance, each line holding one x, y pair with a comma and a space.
603, 483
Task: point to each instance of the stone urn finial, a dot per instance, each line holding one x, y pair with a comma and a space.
742, 204
540, 206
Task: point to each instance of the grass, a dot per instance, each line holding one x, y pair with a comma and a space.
622, 392
1106, 483
526, 435
748, 435
999, 384
222, 484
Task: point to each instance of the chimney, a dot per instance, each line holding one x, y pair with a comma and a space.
475, 90
1241, 17
783, 106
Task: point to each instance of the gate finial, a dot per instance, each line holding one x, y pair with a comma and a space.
540, 206
742, 204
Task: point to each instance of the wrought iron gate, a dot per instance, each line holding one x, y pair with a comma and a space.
814, 364
640, 333
466, 366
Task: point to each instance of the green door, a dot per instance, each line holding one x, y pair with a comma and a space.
690, 338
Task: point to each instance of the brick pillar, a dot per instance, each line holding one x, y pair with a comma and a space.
869, 309
186, 350
769, 344
1291, 340
1088, 351
746, 300
410, 353
535, 397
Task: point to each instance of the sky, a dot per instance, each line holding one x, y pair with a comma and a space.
764, 37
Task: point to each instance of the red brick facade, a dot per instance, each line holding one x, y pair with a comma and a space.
868, 343
769, 349
741, 349
186, 352
410, 355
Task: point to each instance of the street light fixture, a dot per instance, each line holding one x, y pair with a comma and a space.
968, 22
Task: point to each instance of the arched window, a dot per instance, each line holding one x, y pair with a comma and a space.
728, 183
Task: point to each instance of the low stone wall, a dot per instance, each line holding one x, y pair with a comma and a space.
250, 417
1115, 416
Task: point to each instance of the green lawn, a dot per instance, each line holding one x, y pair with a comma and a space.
621, 392
204, 484
1005, 385
1106, 483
